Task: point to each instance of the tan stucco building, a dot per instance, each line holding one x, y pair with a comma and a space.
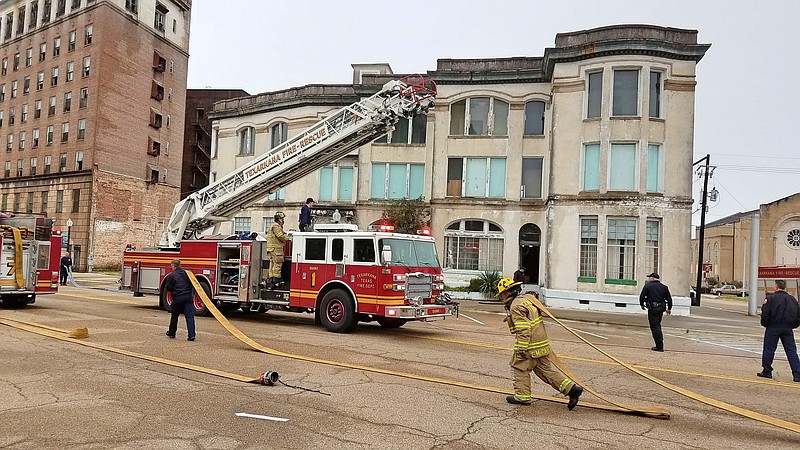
576, 165
727, 241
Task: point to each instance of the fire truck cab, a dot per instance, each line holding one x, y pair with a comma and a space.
342, 275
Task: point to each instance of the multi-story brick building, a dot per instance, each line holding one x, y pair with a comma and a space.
197, 136
576, 164
92, 93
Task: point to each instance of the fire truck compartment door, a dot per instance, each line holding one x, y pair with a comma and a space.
9, 265
127, 271
337, 257
150, 278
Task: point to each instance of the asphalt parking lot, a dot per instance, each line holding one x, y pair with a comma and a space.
58, 393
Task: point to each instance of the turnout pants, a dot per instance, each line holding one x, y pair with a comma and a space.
654, 316
275, 264
187, 308
786, 336
521, 366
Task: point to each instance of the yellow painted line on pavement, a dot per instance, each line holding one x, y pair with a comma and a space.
638, 366
107, 300
45, 330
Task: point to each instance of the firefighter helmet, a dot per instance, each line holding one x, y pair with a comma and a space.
505, 284
280, 216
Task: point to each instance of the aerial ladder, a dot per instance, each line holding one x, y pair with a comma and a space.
327, 141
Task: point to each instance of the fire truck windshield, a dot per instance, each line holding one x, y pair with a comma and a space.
411, 253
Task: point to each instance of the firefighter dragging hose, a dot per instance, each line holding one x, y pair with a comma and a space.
532, 349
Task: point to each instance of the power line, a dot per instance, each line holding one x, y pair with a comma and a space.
729, 193
755, 156
760, 169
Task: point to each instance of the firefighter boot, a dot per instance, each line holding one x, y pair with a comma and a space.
514, 401
574, 392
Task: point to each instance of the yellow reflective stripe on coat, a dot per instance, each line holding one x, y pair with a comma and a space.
531, 345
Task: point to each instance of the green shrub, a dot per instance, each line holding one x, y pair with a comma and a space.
487, 284
474, 285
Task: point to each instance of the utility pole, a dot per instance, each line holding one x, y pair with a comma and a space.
703, 203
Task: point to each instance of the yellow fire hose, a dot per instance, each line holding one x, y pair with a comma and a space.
660, 413
679, 390
649, 412
19, 276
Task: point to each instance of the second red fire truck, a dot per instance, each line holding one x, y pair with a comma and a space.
338, 273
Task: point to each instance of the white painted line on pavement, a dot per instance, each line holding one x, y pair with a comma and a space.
474, 320
590, 334
713, 343
256, 416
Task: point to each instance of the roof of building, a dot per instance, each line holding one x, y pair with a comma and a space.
628, 39
733, 218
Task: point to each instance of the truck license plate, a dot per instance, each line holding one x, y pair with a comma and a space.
435, 311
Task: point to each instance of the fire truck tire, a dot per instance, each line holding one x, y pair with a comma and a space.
388, 322
337, 312
199, 308
164, 301
15, 301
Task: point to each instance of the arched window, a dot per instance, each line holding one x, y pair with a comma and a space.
534, 118
247, 140
279, 133
473, 245
479, 116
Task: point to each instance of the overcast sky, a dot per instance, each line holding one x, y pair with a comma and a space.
748, 92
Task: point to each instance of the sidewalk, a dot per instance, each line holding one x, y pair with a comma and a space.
97, 279
720, 315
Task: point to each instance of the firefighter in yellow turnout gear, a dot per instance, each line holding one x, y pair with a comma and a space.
532, 348
276, 238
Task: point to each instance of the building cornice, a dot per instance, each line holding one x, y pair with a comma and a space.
628, 40
309, 95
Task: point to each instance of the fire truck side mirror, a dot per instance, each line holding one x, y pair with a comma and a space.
386, 254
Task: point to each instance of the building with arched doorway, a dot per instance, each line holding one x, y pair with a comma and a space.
576, 164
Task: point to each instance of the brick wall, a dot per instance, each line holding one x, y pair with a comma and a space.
128, 211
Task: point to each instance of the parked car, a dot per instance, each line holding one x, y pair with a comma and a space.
729, 289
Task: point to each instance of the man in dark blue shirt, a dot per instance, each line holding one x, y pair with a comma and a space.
779, 315
657, 299
180, 290
66, 266
305, 215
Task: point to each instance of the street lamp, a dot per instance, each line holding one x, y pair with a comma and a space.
69, 235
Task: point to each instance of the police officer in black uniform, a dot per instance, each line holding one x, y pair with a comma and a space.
656, 298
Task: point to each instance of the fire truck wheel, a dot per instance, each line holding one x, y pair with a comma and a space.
388, 322
15, 301
199, 308
165, 300
337, 312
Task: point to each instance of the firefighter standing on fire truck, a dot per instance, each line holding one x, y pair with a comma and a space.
532, 349
276, 238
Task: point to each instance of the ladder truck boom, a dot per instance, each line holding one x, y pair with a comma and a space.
323, 143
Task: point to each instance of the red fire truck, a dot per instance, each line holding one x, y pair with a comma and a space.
29, 258
340, 274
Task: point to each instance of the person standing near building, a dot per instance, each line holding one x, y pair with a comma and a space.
519, 275
779, 315
305, 215
532, 348
66, 266
656, 298
180, 288
276, 238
